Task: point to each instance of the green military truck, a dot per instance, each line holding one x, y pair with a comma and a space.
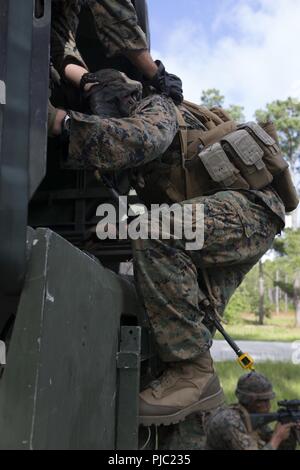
76, 339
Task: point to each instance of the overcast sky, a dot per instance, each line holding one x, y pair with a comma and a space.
248, 49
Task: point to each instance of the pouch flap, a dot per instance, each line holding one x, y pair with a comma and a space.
260, 133
218, 166
246, 148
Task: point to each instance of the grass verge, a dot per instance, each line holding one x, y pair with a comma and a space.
285, 378
278, 328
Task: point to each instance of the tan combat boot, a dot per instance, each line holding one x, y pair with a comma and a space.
184, 388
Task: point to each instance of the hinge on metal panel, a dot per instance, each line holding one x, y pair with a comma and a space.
129, 355
2, 92
128, 363
2, 353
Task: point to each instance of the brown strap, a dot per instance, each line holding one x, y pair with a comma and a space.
221, 113
245, 416
183, 136
212, 299
203, 112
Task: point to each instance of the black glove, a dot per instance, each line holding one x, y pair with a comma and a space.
99, 106
167, 84
103, 98
93, 98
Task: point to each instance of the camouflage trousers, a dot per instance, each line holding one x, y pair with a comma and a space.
188, 435
238, 230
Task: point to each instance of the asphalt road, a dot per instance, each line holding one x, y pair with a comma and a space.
260, 351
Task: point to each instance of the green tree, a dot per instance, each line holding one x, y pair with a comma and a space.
289, 263
245, 298
236, 113
286, 115
212, 98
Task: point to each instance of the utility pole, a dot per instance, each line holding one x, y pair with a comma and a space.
286, 297
297, 298
277, 294
261, 294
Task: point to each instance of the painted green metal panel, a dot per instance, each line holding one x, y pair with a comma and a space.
59, 388
129, 364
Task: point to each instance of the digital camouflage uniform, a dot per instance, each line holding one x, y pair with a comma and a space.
115, 22
239, 228
117, 144
230, 429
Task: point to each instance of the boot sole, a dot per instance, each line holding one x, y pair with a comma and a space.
207, 404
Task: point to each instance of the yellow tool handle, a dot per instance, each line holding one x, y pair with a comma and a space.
246, 361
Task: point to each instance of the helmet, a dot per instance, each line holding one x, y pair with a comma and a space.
252, 387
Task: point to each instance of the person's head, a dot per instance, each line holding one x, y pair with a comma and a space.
255, 392
116, 93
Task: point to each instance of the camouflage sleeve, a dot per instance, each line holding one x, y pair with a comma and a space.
115, 144
237, 437
64, 24
227, 431
117, 26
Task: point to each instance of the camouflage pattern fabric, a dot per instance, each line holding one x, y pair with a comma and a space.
254, 386
237, 232
188, 435
147, 137
229, 429
116, 26
226, 432
117, 144
172, 160
239, 228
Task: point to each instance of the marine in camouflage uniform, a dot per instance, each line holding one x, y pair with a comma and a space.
116, 26
240, 227
230, 428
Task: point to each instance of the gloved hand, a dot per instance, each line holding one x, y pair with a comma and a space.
98, 106
92, 93
88, 88
167, 84
110, 93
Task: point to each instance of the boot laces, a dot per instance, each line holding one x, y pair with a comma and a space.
165, 380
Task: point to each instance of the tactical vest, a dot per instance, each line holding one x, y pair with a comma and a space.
222, 155
245, 417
